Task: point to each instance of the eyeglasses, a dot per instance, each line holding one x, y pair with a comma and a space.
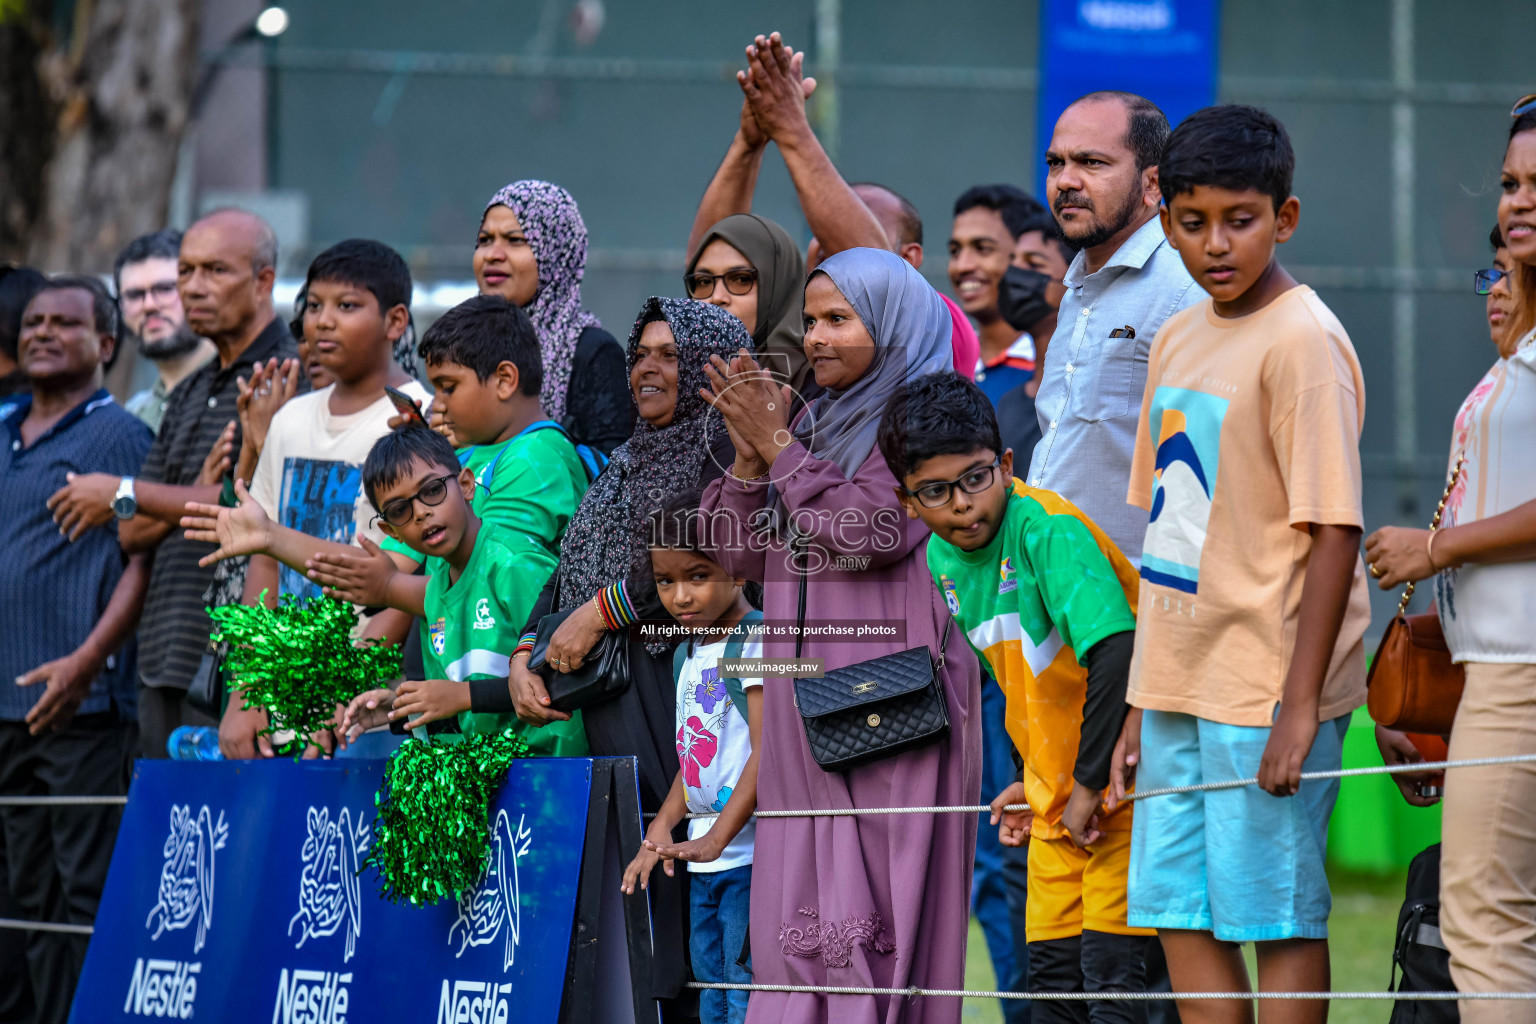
1484, 280
1523, 105
937, 495
161, 290
431, 494
737, 282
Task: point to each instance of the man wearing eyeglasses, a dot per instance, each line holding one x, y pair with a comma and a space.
153, 320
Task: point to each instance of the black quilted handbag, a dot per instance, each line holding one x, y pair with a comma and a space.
874, 709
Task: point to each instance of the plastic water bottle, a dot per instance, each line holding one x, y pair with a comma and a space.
194, 743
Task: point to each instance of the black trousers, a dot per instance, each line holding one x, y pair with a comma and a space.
1091, 962
161, 710
55, 858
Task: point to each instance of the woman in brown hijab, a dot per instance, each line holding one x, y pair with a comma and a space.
751, 268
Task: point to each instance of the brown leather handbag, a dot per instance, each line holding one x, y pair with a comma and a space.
1413, 685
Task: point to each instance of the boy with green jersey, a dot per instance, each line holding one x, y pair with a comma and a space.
474, 605
483, 359
1046, 600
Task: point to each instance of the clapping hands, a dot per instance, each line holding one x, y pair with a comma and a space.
755, 408
774, 92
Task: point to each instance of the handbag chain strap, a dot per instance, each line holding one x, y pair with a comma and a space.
1434, 524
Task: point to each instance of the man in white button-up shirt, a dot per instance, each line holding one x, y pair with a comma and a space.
1102, 186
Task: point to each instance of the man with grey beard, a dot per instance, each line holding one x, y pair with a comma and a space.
153, 320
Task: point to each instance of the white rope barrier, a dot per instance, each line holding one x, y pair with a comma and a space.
1079, 997
914, 991
46, 926
1203, 787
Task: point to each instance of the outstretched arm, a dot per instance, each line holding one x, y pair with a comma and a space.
730, 190
776, 94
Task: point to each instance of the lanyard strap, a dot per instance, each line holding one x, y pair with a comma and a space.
489, 472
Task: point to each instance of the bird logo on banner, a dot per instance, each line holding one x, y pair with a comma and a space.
185, 894
330, 895
496, 901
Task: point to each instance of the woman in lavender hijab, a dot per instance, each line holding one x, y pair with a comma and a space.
850, 901
531, 249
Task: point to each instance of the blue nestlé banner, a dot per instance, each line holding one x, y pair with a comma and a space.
1164, 50
233, 896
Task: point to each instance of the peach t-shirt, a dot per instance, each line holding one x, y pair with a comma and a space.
1250, 430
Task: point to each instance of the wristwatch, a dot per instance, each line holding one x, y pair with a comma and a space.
124, 506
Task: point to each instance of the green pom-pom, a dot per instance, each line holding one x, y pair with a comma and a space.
432, 835
298, 661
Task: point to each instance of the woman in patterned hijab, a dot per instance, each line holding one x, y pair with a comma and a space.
605, 541
676, 446
532, 250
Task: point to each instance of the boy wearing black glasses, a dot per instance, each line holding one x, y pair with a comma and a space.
474, 609
1032, 582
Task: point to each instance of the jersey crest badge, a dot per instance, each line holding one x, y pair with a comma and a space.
1007, 581
951, 597
483, 617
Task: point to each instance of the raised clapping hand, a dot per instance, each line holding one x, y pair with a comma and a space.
244, 530
774, 82
270, 386
755, 409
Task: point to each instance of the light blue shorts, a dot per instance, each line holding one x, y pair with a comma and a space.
1239, 863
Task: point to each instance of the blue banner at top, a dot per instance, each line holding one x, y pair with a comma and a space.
234, 895
1164, 50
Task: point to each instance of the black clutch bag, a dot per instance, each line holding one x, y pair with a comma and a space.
874, 709
206, 691
604, 673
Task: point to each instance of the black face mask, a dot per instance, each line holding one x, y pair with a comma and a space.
1021, 298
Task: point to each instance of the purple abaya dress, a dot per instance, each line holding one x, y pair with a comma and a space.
881, 901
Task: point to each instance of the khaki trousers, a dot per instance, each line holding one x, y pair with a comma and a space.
1488, 856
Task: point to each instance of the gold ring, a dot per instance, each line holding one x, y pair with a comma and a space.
1376, 570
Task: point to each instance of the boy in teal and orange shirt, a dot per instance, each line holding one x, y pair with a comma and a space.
1046, 599
1249, 657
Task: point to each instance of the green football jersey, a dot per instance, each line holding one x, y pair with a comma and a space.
1046, 588
531, 483
473, 626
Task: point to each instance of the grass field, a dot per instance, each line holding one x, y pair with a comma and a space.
1364, 919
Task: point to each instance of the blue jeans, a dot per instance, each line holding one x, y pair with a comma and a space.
1001, 880
717, 925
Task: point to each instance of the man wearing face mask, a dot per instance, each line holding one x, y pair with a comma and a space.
981, 243
1029, 299
1006, 262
